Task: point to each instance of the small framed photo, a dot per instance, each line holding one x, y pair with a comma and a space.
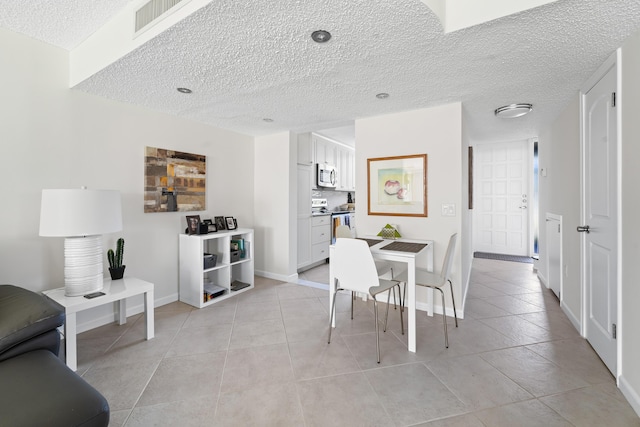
192, 223
231, 223
220, 223
211, 227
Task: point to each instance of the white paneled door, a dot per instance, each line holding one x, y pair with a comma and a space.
502, 174
600, 216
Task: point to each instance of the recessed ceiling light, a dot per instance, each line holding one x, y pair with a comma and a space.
321, 36
513, 110
382, 95
268, 120
184, 90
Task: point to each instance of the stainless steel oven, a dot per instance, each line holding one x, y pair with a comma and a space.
342, 218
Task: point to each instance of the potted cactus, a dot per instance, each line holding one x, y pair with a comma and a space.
116, 269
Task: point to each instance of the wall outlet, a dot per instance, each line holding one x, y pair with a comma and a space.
448, 209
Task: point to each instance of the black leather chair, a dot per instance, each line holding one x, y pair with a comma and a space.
36, 387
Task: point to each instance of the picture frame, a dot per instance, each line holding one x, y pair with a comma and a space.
192, 224
397, 186
211, 227
231, 223
220, 225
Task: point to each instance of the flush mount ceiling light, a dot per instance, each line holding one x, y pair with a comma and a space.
382, 95
321, 36
513, 110
184, 90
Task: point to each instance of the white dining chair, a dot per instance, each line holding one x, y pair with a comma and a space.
384, 268
438, 281
343, 231
355, 271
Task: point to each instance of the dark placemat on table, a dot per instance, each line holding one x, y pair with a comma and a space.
370, 242
404, 247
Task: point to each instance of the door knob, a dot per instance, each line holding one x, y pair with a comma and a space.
583, 229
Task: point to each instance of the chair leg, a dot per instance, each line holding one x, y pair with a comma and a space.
333, 312
353, 298
402, 295
401, 310
444, 319
386, 316
455, 315
394, 292
375, 305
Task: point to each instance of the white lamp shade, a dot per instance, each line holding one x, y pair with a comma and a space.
80, 212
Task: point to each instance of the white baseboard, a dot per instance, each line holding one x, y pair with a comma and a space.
311, 284
543, 279
630, 393
282, 277
423, 306
437, 310
572, 317
106, 319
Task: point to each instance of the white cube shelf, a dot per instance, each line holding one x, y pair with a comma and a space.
193, 275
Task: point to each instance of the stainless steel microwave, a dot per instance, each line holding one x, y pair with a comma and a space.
326, 176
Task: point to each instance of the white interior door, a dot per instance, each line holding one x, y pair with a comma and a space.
600, 216
502, 174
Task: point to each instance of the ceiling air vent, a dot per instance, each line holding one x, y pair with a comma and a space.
151, 11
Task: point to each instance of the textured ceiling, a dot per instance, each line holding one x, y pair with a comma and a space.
250, 60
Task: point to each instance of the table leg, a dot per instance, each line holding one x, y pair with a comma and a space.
70, 333
332, 287
122, 311
149, 313
411, 290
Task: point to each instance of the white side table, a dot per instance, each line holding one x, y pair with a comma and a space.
117, 290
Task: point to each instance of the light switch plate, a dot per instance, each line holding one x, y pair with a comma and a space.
448, 209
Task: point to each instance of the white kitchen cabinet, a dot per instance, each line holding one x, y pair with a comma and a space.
325, 150
306, 175
341, 166
340, 156
305, 149
345, 168
304, 242
320, 237
194, 277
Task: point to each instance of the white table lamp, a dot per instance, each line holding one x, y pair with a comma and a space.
81, 216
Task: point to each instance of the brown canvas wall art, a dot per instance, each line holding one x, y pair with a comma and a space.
174, 181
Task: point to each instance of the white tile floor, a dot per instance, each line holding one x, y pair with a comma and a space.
262, 358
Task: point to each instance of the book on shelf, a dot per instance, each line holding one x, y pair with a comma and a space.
238, 245
210, 291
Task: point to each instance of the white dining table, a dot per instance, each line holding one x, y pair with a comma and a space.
424, 255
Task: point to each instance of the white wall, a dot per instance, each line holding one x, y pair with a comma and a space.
629, 104
436, 132
559, 149
466, 215
276, 205
559, 154
54, 137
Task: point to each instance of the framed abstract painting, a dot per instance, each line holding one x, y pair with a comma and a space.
397, 186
